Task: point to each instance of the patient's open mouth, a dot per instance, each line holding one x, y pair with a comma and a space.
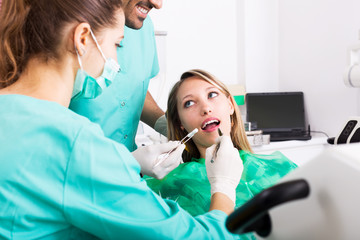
209, 125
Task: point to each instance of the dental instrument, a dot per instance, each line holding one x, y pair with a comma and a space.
217, 146
162, 157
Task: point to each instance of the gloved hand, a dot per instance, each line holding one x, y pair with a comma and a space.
224, 171
161, 125
149, 156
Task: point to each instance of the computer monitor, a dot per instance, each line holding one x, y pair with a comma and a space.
280, 114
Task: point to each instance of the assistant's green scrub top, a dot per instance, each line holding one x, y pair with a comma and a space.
60, 178
118, 109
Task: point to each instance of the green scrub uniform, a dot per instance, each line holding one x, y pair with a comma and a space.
189, 186
118, 108
60, 178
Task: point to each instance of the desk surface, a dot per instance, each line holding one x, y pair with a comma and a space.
299, 152
291, 144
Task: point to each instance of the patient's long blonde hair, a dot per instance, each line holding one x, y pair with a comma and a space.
175, 132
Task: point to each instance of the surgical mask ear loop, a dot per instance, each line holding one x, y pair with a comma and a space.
97, 44
78, 57
111, 62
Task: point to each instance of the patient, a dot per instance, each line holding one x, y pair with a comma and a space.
201, 101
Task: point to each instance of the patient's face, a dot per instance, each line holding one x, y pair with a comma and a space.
202, 105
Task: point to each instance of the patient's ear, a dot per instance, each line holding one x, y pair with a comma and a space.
231, 106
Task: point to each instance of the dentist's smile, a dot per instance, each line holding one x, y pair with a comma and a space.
142, 11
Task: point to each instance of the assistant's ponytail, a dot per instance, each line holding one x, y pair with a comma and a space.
34, 28
13, 14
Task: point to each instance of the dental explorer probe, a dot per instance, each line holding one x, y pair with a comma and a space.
216, 147
162, 157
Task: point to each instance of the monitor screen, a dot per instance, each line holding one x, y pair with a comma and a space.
276, 111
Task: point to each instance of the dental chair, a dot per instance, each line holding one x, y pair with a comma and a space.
320, 200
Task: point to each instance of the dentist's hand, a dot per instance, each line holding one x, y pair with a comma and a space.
149, 156
224, 170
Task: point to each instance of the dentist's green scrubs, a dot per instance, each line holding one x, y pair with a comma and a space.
60, 178
118, 109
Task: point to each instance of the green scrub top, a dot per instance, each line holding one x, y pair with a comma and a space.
118, 109
61, 178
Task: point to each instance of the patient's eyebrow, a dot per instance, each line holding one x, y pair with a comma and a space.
208, 88
187, 96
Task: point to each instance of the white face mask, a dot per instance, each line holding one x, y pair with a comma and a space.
87, 87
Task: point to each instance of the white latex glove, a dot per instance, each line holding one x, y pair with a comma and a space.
149, 156
224, 171
161, 125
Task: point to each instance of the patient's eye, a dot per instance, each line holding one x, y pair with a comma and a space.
213, 94
188, 103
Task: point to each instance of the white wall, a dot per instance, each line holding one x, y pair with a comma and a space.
268, 45
200, 34
261, 45
313, 39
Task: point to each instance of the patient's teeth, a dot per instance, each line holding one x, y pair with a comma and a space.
209, 122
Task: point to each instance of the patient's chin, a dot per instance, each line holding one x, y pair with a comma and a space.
210, 143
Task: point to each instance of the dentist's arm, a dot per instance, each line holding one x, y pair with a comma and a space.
153, 116
220, 201
224, 172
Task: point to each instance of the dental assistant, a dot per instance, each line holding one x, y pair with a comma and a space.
60, 177
127, 101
